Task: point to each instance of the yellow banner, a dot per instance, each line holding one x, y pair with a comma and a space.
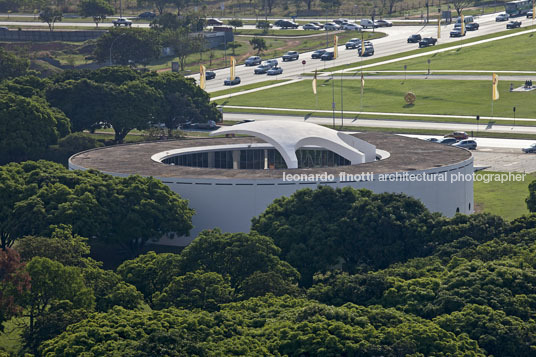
463, 25
439, 27
335, 47
314, 83
362, 81
533, 9
202, 76
495, 86
233, 64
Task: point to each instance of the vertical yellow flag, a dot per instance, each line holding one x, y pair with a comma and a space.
362, 81
233, 64
533, 9
335, 47
463, 25
202, 76
314, 83
439, 26
362, 48
495, 86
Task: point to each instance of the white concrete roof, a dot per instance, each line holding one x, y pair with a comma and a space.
289, 136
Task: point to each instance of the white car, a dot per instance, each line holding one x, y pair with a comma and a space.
502, 17
330, 26
122, 21
352, 27
311, 27
384, 23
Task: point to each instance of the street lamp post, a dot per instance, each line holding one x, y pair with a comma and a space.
429, 60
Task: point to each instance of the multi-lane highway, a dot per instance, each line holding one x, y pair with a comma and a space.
395, 42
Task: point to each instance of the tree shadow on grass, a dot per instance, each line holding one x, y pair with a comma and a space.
409, 105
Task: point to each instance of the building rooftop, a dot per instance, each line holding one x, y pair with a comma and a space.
406, 154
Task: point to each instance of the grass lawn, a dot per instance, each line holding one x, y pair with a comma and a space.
506, 200
246, 87
433, 97
498, 53
507, 54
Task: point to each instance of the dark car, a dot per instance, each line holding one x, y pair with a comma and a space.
210, 75
448, 141
327, 56
148, 15
318, 53
286, 24
2, 28
473, 26
209, 125
214, 22
531, 149
369, 50
262, 69
414, 38
427, 41
513, 24
529, 14
229, 82
291, 56
457, 33
262, 24
458, 135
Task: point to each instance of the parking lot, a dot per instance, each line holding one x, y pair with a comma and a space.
505, 160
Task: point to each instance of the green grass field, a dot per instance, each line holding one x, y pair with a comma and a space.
507, 54
239, 88
433, 97
506, 200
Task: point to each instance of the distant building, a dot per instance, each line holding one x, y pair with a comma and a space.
228, 180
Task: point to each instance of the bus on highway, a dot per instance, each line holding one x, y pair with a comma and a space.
518, 7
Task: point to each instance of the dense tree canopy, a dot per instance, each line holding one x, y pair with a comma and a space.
97, 9
347, 227
27, 127
125, 211
12, 66
134, 44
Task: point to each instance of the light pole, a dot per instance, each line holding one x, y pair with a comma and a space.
429, 60
112, 45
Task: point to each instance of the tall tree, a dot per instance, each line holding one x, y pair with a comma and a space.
182, 43
11, 65
459, 5
14, 282
97, 9
134, 44
50, 15
258, 44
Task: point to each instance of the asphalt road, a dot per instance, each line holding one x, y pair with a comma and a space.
394, 43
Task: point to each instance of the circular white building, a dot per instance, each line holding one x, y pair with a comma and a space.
228, 180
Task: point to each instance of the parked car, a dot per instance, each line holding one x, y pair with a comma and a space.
433, 140
529, 14
466, 19
317, 24
414, 38
457, 33
448, 141
229, 82
209, 125
327, 56
341, 22
502, 17
427, 41
318, 53
458, 135
148, 15
122, 21
531, 149
513, 24
286, 24
271, 62
384, 23
352, 43
466, 144
352, 27
253, 61
210, 75
473, 26
214, 22
275, 71
369, 50
310, 27
366, 23
291, 56
3, 28
330, 26
262, 69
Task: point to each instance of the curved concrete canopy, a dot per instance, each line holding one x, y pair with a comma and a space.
289, 136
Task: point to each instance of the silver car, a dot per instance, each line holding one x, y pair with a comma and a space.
466, 144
